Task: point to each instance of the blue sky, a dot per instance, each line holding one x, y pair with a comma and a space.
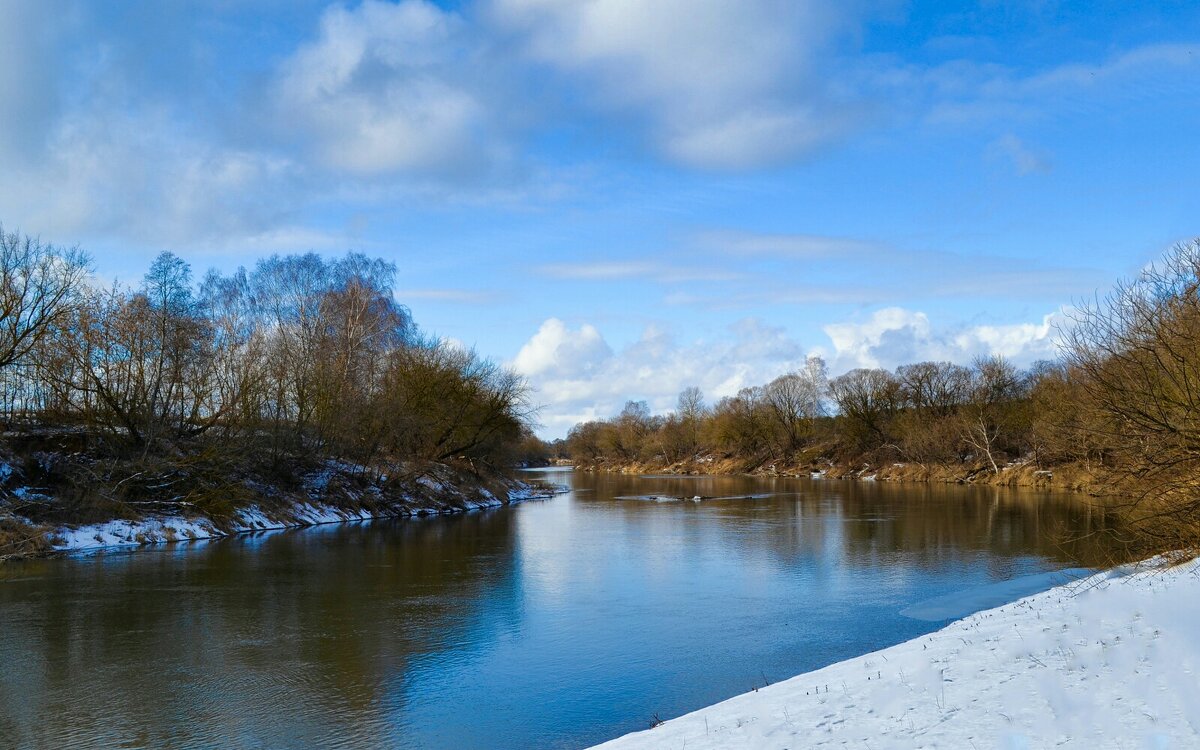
619, 197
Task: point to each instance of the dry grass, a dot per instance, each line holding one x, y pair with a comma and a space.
20, 539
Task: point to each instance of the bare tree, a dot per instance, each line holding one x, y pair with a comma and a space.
987, 420
867, 399
1134, 358
691, 403
795, 401
740, 425
685, 429
39, 289
938, 388
141, 364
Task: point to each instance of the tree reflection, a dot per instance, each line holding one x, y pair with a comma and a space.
316, 629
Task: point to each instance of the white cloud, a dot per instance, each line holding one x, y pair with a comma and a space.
557, 351
1020, 342
633, 269
1024, 159
1121, 67
721, 83
380, 90
599, 271
780, 245
776, 269
894, 336
871, 342
963, 92
143, 175
460, 296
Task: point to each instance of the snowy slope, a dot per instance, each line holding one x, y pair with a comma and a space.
1112, 661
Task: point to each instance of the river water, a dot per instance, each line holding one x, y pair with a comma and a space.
552, 624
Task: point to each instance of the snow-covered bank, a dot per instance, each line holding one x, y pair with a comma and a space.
1111, 661
162, 529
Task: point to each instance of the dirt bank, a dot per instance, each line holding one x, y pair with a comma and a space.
1067, 477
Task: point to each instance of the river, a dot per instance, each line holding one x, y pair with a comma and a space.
551, 624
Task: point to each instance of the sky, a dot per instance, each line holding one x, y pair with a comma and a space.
623, 198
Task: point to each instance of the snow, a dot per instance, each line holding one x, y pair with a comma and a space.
156, 530
431, 483
1108, 661
133, 533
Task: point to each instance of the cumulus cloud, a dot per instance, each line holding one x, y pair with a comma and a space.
87, 149
137, 126
721, 83
557, 351
143, 175
381, 90
96, 140
579, 376
894, 336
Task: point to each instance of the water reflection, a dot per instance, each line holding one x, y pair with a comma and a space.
872, 521
552, 624
294, 640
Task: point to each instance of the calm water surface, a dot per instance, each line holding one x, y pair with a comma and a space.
553, 624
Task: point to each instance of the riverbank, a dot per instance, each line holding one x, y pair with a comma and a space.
165, 529
1109, 661
1021, 473
38, 521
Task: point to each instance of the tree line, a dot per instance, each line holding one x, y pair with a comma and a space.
1122, 400
923, 412
298, 356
